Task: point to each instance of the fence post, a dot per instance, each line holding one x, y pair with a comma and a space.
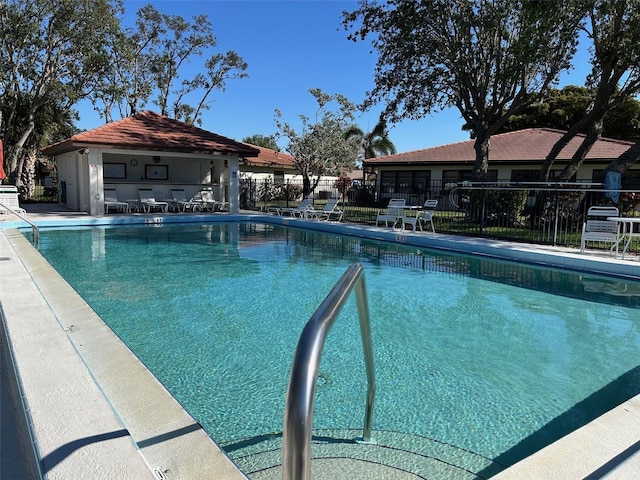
555, 224
286, 194
343, 194
484, 197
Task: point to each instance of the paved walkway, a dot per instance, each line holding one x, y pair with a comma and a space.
76, 375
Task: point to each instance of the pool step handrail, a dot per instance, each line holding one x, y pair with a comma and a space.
298, 415
34, 227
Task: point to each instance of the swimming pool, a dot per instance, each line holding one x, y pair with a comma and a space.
464, 354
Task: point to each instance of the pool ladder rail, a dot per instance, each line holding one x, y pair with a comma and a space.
298, 416
34, 227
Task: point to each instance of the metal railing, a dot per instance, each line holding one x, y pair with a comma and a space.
34, 227
298, 416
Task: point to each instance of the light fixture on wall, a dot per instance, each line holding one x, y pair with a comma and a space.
156, 159
84, 151
133, 162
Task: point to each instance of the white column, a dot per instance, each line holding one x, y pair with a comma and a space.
234, 185
96, 191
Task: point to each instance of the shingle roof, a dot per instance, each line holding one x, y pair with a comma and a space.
270, 158
529, 145
152, 131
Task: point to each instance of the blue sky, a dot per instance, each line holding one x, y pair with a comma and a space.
290, 47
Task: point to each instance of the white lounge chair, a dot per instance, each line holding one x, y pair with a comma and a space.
422, 216
207, 200
597, 229
298, 211
182, 203
149, 202
393, 213
9, 200
330, 209
111, 202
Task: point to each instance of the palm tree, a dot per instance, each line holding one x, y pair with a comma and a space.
375, 143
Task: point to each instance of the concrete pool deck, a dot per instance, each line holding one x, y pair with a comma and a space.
96, 412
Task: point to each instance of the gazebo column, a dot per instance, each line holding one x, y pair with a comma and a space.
234, 185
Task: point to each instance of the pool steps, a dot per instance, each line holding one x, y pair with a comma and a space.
335, 454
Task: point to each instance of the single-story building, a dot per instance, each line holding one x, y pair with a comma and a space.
276, 166
269, 164
514, 156
147, 150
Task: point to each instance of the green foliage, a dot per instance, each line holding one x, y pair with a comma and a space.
500, 206
268, 191
561, 109
53, 54
263, 141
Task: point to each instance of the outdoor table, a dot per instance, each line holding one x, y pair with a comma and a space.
627, 230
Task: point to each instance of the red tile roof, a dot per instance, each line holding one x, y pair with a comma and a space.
152, 131
270, 158
530, 145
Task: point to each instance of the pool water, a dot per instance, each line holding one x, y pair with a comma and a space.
464, 353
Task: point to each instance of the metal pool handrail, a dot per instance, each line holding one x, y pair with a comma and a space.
36, 230
298, 415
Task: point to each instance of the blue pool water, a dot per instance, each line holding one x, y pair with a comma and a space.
493, 357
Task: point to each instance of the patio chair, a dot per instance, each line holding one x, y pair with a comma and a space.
597, 229
424, 215
221, 206
393, 212
329, 210
9, 200
182, 203
298, 211
111, 202
149, 202
207, 202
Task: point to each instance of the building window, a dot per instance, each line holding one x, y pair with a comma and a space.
630, 178
278, 177
405, 182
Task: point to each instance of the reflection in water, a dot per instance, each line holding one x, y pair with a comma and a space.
558, 282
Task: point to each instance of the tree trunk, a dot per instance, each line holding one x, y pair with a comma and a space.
481, 146
28, 174
16, 161
626, 160
593, 134
306, 186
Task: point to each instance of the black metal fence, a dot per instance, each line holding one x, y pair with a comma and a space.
543, 213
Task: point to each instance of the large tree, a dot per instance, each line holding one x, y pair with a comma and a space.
53, 53
560, 109
613, 30
487, 59
320, 147
148, 65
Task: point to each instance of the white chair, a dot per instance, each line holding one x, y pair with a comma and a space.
149, 202
424, 215
393, 213
330, 209
111, 201
182, 203
298, 211
9, 200
597, 229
